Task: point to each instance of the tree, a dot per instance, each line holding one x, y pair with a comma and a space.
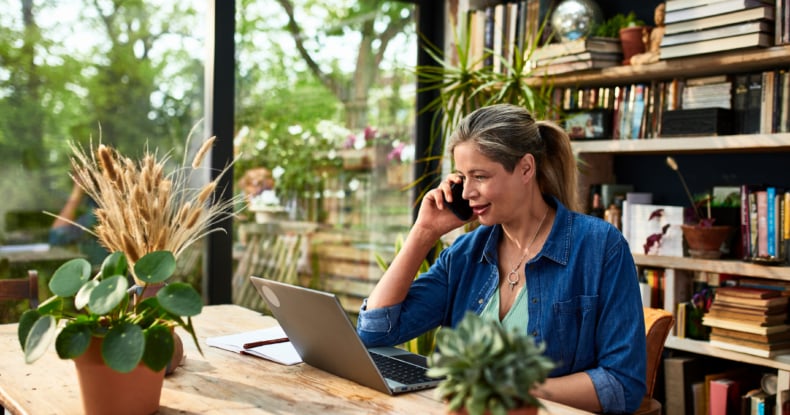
375, 23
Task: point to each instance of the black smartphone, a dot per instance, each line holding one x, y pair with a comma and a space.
459, 205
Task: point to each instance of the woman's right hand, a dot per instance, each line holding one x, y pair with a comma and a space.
434, 213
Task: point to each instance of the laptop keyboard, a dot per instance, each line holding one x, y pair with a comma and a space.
399, 370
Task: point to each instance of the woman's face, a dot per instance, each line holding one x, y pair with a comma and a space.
494, 194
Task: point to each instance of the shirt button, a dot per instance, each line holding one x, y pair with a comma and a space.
535, 333
480, 301
534, 300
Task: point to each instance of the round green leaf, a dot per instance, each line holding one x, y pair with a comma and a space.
69, 277
180, 299
155, 267
84, 294
108, 294
26, 322
114, 264
73, 340
123, 347
39, 338
51, 305
159, 347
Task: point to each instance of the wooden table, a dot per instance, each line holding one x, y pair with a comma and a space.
217, 382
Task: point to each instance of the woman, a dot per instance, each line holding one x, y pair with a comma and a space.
534, 264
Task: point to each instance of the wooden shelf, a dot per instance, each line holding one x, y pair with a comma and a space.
701, 65
734, 267
709, 144
704, 348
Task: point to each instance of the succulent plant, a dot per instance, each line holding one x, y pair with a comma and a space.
486, 367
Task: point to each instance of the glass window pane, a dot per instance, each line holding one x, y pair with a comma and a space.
128, 74
325, 122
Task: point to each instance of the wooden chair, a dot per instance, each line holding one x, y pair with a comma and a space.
272, 252
21, 288
658, 324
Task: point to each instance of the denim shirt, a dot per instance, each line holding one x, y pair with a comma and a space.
584, 302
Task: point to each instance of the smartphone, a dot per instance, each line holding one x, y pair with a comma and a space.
459, 205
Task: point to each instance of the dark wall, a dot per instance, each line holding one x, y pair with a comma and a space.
702, 172
643, 9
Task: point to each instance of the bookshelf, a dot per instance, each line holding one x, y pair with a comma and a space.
603, 162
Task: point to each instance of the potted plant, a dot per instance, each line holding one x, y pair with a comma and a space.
704, 239
629, 29
112, 331
486, 368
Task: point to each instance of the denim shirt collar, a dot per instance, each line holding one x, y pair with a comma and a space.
557, 246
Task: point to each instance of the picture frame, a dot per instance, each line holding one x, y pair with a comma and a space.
595, 124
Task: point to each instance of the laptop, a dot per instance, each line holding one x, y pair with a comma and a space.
320, 330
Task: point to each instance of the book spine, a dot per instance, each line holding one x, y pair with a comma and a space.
762, 223
745, 223
770, 215
753, 104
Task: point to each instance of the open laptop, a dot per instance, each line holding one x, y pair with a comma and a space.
320, 330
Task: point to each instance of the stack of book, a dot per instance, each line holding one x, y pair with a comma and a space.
704, 26
708, 92
577, 55
749, 320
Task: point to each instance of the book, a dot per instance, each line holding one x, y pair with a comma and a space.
757, 26
754, 351
588, 44
757, 346
717, 45
746, 15
279, 351
580, 57
760, 303
583, 65
753, 104
748, 292
711, 321
762, 320
680, 372
724, 396
764, 338
710, 9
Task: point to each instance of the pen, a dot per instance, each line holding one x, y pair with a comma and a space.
264, 342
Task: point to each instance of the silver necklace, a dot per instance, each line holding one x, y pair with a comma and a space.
514, 272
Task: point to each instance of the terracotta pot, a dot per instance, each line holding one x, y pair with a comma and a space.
706, 241
632, 42
527, 410
105, 391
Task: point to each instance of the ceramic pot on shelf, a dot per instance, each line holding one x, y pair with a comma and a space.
706, 241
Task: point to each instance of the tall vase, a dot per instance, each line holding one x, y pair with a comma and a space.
105, 391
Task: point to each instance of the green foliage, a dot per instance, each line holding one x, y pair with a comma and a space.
102, 306
611, 27
466, 83
487, 367
425, 343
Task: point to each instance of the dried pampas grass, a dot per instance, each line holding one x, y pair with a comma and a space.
140, 207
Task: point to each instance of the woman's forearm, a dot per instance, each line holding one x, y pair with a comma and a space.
394, 284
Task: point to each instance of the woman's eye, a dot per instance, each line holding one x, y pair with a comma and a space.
480, 178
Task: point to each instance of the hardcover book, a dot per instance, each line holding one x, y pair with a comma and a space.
760, 26
717, 45
711, 9
741, 16
589, 44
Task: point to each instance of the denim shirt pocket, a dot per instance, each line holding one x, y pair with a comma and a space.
575, 323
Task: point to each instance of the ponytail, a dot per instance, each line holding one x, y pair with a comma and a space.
557, 174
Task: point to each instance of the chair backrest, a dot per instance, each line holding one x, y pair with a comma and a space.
658, 324
21, 288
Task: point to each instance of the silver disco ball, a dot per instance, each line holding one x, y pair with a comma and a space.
573, 19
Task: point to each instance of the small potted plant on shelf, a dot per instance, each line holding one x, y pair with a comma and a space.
629, 29
704, 239
122, 338
487, 368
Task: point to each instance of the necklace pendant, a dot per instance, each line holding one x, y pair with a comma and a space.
512, 284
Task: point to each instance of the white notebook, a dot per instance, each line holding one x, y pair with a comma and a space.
281, 352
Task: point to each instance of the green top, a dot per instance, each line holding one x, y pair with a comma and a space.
518, 315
